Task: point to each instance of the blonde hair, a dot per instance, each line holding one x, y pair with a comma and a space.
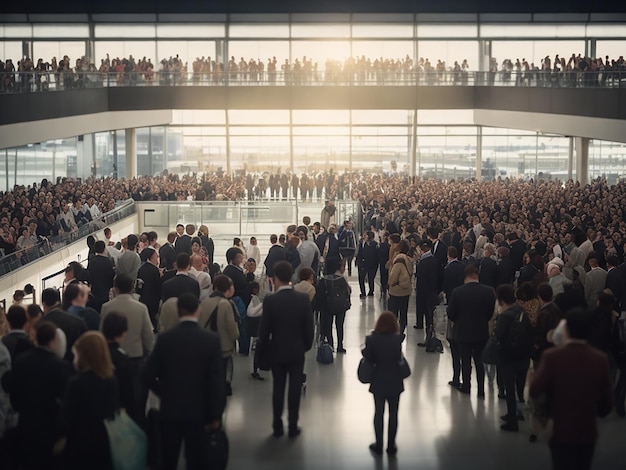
93, 354
204, 230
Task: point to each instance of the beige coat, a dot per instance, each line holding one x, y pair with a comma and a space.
227, 328
400, 277
139, 337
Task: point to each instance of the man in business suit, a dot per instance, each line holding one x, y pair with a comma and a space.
470, 308
440, 249
576, 377
72, 325
102, 274
453, 277
182, 282
429, 281
367, 263
37, 385
288, 319
167, 253
234, 256
128, 263
505, 272
16, 340
615, 281
185, 370
183, 243
275, 254
595, 281
487, 269
152, 286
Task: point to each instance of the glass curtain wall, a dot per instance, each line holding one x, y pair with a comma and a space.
607, 160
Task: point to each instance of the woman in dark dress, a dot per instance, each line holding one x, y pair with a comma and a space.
383, 349
92, 397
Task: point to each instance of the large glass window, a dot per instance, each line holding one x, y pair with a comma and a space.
11, 50
320, 30
449, 52
509, 153
124, 49
321, 51
613, 49
396, 30
385, 49
187, 51
46, 50
549, 30
535, 51
256, 50
242, 30
608, 160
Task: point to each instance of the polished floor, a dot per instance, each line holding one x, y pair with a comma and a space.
439, 428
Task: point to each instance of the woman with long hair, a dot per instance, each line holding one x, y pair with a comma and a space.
92, 397
383, 350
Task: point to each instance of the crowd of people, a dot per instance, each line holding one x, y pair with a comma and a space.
577, 70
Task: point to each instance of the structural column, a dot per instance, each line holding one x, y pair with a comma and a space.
131, 153
479, 154
413, 167
582, 159
570, 159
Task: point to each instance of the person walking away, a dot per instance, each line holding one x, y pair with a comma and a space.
333, 300
367, 263
400, 284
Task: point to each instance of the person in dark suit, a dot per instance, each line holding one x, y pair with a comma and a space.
470, 308
429, 281
72, 325
383, 259
152, 287
167, 253
182, 282
518, 248
16, 340
183, 243
440, 249
453, 277
383, 349
576, 377
102, 274
234, 257
288, 320
114, 328
367, 263
37, 384
505, 272
92, 397
615, 281
185, 370
488, 268
275, 254
207, 242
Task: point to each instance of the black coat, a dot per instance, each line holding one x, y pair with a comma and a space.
183, 244
152, 286
242, 287
185, 369
90, 400
72, 325
441, 252
487, 272
383, 254
470, 308
207, 243
125, 379
385, 352
453, 277
102, 274
275, 254
527, 274
615, 281
288, 318
429, 277
505, 272
178, 285
518, 247
367, 255
17, 342
167, 254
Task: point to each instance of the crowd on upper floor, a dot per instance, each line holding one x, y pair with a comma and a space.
82, 72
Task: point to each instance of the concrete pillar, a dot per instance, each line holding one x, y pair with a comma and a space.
570, 159
413, 166
131, 153
479, 154
582, 159
85, 161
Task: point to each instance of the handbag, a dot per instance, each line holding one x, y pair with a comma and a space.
127, 442
365, 371
405, 369
216, 457
491, 351
324, 353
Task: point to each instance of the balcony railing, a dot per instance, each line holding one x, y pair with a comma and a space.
47, 245
25, 82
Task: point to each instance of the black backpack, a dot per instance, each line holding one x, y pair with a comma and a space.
337, 295
518, 342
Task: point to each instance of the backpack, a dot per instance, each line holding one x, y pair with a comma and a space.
324, 353
337, 295
517, 344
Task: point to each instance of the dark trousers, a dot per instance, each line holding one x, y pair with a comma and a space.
384, 278
279, 373
370, 274
173, 434
571, 456
327, 327
140, 392
456, 361
425, 309
620, 391
399, 306
514, 375
469, 351
379, 412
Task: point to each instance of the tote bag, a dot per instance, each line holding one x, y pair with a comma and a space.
128, 443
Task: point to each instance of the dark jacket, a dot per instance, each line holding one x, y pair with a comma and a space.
90, 400
504, 323
125, 380
185, 369
102, 274
429, 277
17, 342
615, 281
548, 318
383, 254
167, 254
180, 284
518, 247
488, 272
453, 277
385, 352
151, 291
470, 307
440, 252
72, 325
505, 272
183, 244
207, 243
367, 255
242, 287
288, 319
275, 254
527, 274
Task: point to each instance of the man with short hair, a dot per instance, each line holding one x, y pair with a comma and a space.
275, 254
548, 317
16, 340
72, 325
185, 371
577, 380
182, 282
102, 274
37, 385
234, 271
167, 253
615, 281
183, 243
487, 268
470, 307
595, 281
152, 284
288, 320
129, 262
428, 284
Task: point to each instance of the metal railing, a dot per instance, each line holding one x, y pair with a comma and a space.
25, 82
47, 245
